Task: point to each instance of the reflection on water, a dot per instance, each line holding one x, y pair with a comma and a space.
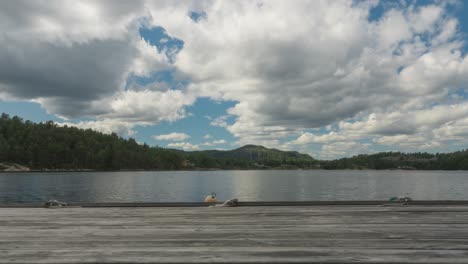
297, 185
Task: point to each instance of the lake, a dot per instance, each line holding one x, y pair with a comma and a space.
264, 185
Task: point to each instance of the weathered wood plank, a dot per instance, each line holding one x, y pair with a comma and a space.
236, 255
309, 234
147, 242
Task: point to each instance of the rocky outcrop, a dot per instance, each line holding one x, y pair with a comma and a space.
10, 166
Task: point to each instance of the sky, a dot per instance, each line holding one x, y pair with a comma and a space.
327, 78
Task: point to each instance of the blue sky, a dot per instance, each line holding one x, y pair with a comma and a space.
332, 79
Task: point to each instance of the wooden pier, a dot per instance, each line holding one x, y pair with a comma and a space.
303, 233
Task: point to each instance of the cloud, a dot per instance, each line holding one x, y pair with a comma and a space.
75, 58
220, 121
184, 146
214, 143
308, 138
324, 64
417, 130
106, 126
220, 141
406, 122
172, 136
67, 54
68, 21
343, 149
54, 74
127, 109
148, 106
415, 142
453, 131
390, 81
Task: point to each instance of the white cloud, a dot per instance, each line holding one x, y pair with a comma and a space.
220, 141
408, 122
425, 18
391, 81
453, 131
343, 149
439, 69
106, 126
172, 136
69, 54
184, 146
308, 138
220, 121
69, 21
214, 143
413, 141
134, 108
418, 130
393, 28
148, 106
131, 108
74, 58
321, 64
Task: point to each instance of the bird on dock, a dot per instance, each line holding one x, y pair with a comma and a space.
211, 198
54, 204
403, 200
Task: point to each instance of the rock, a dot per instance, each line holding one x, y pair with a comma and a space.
10, 166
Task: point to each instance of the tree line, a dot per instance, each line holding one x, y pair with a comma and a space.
396, 160
47, 145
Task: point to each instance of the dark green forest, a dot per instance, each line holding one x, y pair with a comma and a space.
396, 160
48, 146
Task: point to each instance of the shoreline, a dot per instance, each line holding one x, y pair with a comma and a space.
213, 169
141, 170
380, 203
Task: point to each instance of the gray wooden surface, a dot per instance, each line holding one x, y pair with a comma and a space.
311, 234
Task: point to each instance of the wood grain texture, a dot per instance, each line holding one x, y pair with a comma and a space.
266, 234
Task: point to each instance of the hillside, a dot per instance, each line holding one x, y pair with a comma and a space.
260, 157
48, 146
396, 160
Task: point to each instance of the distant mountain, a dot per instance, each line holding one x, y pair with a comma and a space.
260, 156
258, 153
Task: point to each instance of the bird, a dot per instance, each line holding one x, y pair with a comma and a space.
211, 198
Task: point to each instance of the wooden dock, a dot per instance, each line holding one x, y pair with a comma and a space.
244, 234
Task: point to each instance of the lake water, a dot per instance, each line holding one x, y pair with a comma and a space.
193, 186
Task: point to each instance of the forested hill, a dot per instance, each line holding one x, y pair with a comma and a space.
396, 160
52, 147
48, 146
261, 157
